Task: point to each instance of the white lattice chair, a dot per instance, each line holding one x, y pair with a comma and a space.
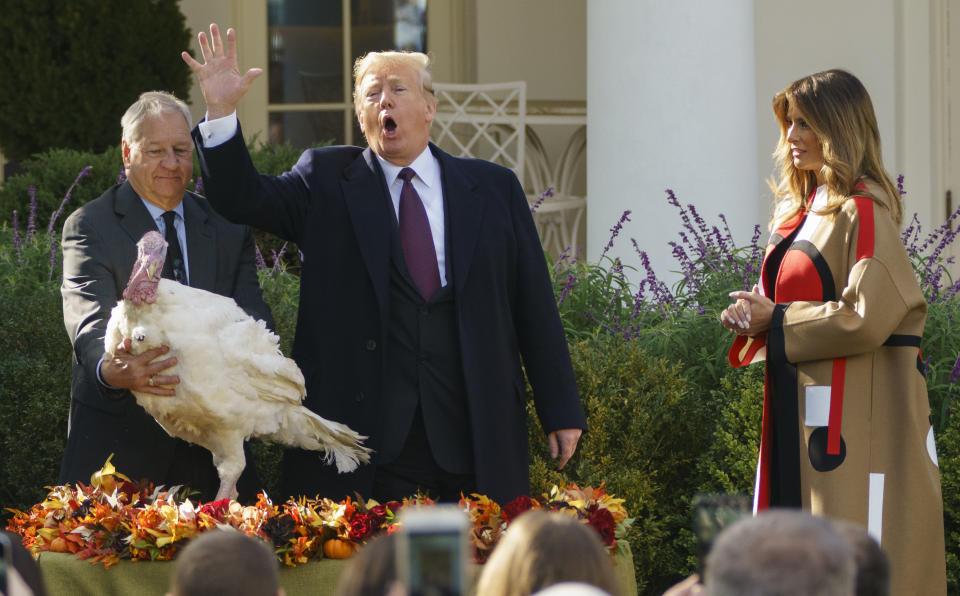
559, 218
487, 121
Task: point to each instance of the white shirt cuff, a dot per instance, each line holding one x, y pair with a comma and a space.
100, 378
218, 131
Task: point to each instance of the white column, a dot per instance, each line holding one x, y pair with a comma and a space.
671, 104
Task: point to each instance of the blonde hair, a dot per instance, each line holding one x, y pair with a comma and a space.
148, 105
837, 108
418, 61
540, 549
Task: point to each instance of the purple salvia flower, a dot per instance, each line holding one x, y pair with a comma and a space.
17, 241
910, 234
571, 284
687, 266
614, 232
955, 373
951, 293
563, 258
278, 257
659, 290
541, 199
701, 225
723, 252
122, 176
672, 199
261, 264
32, 216
900, 185
83, 174
198, 187
617, 266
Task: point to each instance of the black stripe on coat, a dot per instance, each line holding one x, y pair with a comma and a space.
903, 340
820, 264
785, 446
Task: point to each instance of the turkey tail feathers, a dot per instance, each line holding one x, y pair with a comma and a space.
306, 430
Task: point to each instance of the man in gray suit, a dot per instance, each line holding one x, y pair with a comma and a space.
99, 249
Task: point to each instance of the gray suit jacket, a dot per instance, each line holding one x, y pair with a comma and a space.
99, 250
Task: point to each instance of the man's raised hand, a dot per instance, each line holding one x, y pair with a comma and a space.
219, 75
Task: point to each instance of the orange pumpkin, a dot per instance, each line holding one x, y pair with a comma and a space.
338, 548
58, 545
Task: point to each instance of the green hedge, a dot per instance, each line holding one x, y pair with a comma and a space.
70, 69
668, 417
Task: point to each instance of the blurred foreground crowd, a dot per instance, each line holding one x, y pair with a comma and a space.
777, 553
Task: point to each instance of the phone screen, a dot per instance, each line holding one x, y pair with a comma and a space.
436, 564
713, 513
432, 551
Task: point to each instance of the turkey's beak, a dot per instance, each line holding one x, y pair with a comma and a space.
151, 270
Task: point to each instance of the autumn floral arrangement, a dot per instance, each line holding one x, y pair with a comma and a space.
114, 519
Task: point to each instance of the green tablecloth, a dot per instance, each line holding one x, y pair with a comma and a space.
64, 574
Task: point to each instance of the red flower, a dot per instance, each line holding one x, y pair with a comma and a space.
602, 521
515, 507
361, 526
379, 515
216, 509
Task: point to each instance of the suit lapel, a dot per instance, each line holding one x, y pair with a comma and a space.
134, 218
201, 244
367, 201
465, 210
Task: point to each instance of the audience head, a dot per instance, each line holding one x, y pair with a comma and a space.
540, 549
780, 553
571, 589
372, 571
22, 572
873, 568
228, 563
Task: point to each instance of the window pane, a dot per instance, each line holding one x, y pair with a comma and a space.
304, 129
388, 25
306, 51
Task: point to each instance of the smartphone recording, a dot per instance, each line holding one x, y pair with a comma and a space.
433, 550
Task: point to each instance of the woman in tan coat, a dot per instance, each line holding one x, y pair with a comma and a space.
838, 316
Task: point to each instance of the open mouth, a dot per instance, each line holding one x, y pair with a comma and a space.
389, 125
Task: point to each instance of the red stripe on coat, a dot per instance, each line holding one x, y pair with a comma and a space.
744, 349
865, 230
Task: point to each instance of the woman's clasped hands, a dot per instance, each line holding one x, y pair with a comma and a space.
749, 315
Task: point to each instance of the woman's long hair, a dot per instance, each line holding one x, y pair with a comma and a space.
838, 109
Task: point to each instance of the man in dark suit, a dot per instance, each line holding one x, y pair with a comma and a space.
423, 283
99, 250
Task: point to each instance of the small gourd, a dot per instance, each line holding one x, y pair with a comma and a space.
338, 548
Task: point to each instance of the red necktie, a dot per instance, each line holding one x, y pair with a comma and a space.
417, 240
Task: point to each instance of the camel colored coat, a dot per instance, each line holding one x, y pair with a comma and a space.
846, 422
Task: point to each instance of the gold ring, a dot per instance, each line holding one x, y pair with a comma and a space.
150, 380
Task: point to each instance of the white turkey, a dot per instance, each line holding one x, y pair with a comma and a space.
235, 383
